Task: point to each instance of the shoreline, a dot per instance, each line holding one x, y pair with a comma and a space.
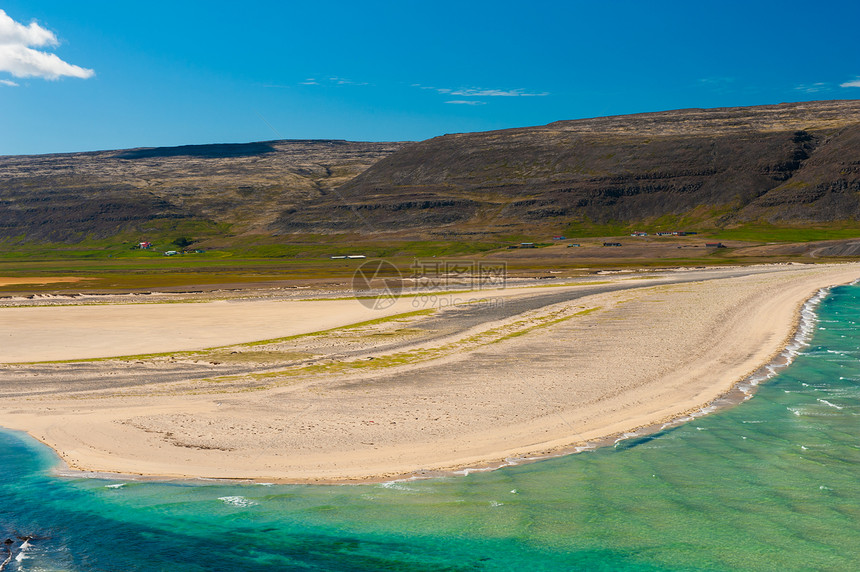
735, 396
740, 390
732, 398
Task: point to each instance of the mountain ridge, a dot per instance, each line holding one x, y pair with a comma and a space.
785, 165
710, 167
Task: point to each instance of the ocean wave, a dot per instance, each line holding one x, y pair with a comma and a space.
806, 412
626, 436
398, 486
238, 501
797, 345
22, 551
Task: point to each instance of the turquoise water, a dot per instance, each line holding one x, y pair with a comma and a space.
772, 484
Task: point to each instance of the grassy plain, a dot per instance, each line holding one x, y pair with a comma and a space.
120, 266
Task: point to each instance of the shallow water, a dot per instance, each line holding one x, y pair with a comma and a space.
772, 484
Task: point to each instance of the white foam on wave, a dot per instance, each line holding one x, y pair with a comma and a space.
844, 391
800, 341
812, 413
22, 551
690, 417
514, 461
397, 486
115, 486
627, 436
237, 501
825, 402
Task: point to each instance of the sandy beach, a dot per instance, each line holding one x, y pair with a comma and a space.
507, 374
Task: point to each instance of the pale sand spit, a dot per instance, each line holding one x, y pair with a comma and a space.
72, 332
533, 384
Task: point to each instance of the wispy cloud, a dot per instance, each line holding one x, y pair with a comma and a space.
480, 92
331, 81
852, 83
344, 81
8, 82
18, 57
813, 87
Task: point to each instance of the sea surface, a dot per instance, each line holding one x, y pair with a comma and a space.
770, 484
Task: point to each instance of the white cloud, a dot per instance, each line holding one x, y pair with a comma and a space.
852, 83
11, 32
344, 81
478, 92
8, 82
18, 57
813, 87
331, 81
467, 102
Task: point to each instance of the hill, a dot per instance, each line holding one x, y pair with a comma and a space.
200, 190
787, 165
783, 165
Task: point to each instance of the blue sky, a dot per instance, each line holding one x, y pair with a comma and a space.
94, 75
